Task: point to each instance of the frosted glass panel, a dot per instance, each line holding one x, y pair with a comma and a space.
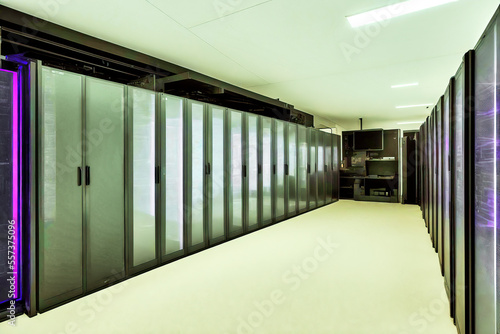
302, 167
253, 178
142, 113
60, 258
266, 169
313, 170
105, 115
197, 172
236, 190
321, 168
280, 169
292, 168
217, 172
172, 107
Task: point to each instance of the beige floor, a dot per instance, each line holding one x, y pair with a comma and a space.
351, 267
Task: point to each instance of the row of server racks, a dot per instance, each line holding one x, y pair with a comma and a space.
460, 143
121, 179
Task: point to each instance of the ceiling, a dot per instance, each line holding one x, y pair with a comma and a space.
303, 52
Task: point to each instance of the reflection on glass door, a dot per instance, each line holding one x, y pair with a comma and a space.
312, 169
172, 174
195, 178
292, 170
266, 143
280, 170
302, 168
215, 169
252, 179
321, 168
329, 167
486, 167
142, 132
236, 170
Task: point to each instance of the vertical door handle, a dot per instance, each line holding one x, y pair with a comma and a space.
87, 175
286, 169
244, 170
209, 169
308, 168
259, 169
157, 175
274, 169
79, 176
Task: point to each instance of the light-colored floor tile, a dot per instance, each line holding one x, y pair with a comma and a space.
350, 267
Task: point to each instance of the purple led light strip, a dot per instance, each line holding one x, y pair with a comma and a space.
15, 176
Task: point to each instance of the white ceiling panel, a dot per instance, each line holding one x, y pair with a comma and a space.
195, 12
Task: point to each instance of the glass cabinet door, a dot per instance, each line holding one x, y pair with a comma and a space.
336, 168
61, 189
279, 170
105, 190
328, 167
172, 175
215, 169
321, 168
303, 149
195, 168
266, 177
313, 180
142, 166
292, 170
486, 186
252, 166
235, 195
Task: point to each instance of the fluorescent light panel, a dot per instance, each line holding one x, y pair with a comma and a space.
414, 106
405, 85
392, 11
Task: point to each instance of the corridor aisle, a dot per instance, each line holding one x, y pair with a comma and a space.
350, 267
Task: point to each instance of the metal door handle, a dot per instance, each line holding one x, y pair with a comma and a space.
157, 175
79, 176
87, 175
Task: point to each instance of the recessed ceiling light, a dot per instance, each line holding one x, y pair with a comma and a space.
402, 123
414, 106
395, 10
405, 85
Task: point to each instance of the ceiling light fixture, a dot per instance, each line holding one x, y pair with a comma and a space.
414, 106
395, 10
405, 85
403, 123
